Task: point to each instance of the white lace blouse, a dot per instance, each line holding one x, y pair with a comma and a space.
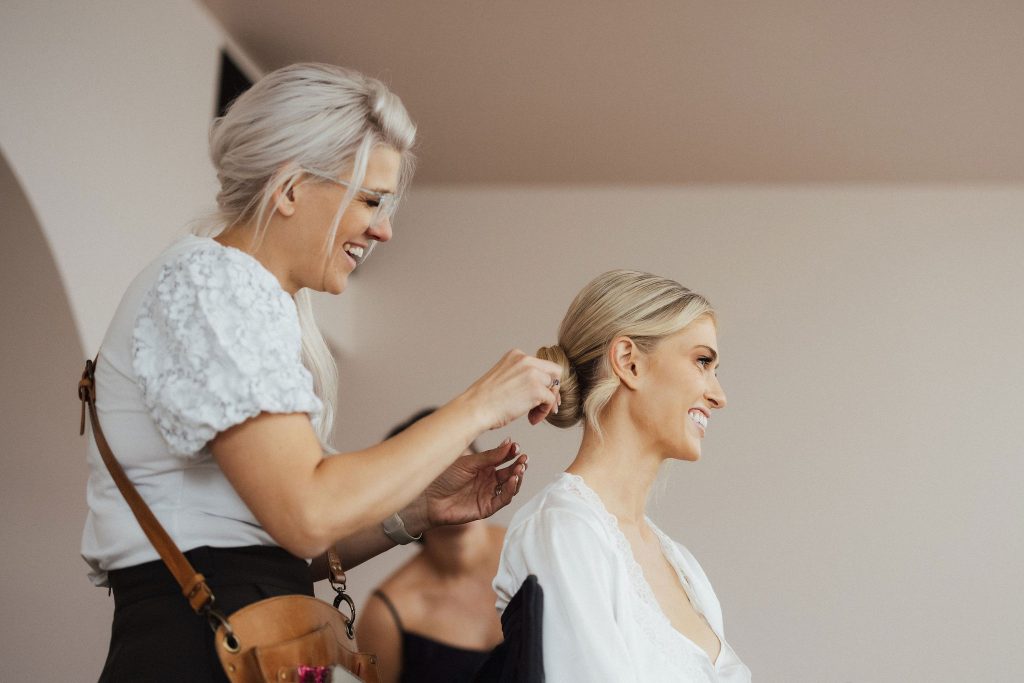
601, 619
203, 339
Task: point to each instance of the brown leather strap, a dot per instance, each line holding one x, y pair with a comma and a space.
193, 584
334, 568
336, 575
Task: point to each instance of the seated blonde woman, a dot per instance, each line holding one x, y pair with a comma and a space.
622, 601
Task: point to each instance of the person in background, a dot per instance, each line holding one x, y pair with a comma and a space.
622, 601
433, 620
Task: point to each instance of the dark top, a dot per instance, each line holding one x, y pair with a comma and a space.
425, 660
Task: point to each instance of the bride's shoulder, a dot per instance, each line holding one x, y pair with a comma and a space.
561, 505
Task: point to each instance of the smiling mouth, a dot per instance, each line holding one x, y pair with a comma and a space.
356, 252
700, 419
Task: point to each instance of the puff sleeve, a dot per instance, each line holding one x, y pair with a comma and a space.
216, 342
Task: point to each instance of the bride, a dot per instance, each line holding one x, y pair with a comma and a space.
622, 601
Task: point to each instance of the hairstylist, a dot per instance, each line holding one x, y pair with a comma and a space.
215, 388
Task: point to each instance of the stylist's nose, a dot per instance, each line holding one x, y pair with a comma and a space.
382, 231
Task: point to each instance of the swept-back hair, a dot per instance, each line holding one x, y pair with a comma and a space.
645, 307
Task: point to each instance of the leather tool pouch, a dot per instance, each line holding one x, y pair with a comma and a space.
290, 638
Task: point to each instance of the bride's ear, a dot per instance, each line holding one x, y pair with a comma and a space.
624, 358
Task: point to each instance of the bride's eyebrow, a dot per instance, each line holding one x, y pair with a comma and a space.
711, 352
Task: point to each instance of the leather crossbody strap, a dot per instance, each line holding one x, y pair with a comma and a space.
193, 584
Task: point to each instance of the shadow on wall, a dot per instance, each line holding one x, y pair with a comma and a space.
46, 594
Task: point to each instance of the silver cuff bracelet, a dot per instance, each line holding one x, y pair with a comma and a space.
394, 528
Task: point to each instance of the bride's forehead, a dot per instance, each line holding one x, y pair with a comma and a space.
701, 331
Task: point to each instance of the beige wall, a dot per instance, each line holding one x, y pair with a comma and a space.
106, 108
858, 508
103, 136
47, 603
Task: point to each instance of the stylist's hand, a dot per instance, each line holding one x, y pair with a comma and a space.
517, 385
473, 487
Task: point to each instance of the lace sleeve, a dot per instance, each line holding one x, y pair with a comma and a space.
216, 342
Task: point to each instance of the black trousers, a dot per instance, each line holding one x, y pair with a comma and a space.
157, 637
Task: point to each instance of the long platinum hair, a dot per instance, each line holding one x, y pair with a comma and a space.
315, 117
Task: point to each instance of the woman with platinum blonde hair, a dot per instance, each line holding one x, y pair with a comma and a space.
216, 390
622, 601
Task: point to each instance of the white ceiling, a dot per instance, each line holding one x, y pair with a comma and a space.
678, 91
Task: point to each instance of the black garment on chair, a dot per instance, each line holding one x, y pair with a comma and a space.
520, 657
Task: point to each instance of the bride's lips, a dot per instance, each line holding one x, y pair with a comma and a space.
699, 417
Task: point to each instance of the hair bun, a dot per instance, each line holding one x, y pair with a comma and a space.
571, 410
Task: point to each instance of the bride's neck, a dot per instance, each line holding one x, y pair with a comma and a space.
618, 466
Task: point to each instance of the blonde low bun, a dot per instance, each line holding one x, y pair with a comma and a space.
645, 307
571, 410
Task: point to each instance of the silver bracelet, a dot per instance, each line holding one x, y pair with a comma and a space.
394, 528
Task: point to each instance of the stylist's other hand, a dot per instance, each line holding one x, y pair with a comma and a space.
519, 384
473, 487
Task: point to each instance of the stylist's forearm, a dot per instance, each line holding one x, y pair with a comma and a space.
354, 550
372, 541
365, 487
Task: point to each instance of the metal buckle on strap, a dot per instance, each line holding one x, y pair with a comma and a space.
217, 620
350, 618
86, 390
336, 575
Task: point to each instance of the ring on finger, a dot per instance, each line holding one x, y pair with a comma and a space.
554, 383
497, 490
